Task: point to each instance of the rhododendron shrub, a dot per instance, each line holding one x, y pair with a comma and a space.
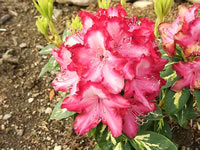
181, 41
110, 55
120, 82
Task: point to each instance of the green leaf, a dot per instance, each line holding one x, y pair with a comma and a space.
51, 65
92, 132
127, 146
66, 33
156, 115
163, 128
59, 113
164, 53
175, 101
186, 113
119, 146
42, 25
146, 126
97, 147
169, 75
147, 140
197, 97
47, 49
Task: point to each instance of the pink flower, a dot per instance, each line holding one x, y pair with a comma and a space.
168, 31
189, 72
101, 65
66, 80
110, 55
95, 104
62, 56
112, 12
190, 39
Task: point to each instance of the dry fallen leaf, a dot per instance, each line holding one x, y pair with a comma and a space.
51, 94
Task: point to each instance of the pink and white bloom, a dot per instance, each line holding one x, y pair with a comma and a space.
101, 65
110, 55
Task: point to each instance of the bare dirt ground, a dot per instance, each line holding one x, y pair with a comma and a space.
25, 105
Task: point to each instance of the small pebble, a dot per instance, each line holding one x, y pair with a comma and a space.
48, 110
3, 127
57, 13
20, 132
57, 148
30, 100
5, 18
22, 45
6, 116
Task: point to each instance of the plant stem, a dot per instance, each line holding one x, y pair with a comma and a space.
55, 34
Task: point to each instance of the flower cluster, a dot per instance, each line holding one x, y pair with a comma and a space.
184, 31
112, 71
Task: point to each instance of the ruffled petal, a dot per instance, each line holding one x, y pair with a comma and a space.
87, 20
66, 80
180, 84
189, 74
190, 40
133, 51
168, 32
62, 56
96, 39
141, 89
130, 126
89, 119
112, 80
118, 30
110, 116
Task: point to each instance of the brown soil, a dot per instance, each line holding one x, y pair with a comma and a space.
29, 127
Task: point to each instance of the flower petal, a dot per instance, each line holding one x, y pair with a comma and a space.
112, 80
66, 80
62, 56
168, 32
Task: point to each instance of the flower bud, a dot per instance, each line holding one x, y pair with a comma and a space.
104, 4
42, 24
161, 8
123, 3
76, 25
45, 7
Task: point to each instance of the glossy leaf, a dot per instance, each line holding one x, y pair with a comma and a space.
186, 113
147, 140
156, 115
51, 65
59, 113
47, 49
174, 102
119, 146
197, 97
127, 146
66, 33
163, 128
169, 75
